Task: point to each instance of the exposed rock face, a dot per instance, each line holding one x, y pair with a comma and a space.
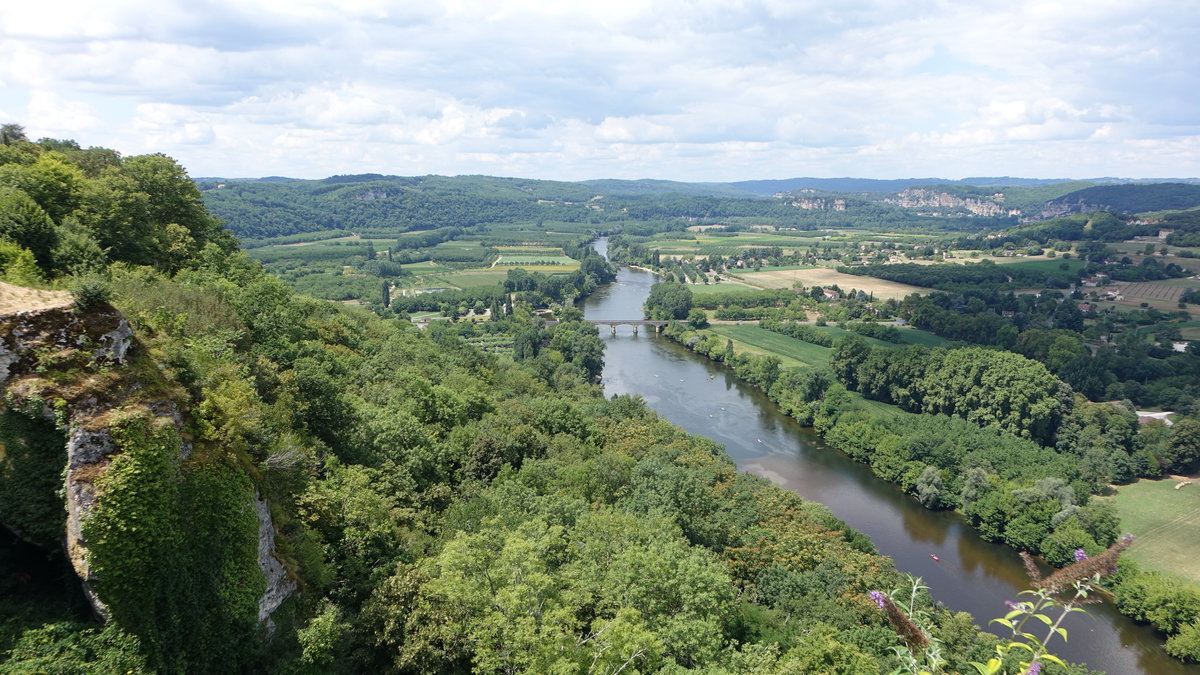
819, 204
115, 343
921, 198
50, 365
280, 584
87, 454
1065, 207
25, 334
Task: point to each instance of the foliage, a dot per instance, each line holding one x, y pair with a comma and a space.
30, 477
90, 290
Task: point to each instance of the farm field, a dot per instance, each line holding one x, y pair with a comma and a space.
1161, 295
911, 336
471, 278
821, 276
1164, 520
704, 245
792, 353
720, 287
538, 262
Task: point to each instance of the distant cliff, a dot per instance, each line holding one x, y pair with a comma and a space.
939, 203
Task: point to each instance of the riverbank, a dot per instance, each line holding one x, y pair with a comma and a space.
893, 452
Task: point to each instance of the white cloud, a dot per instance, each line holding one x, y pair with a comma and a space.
56, 116
686, 89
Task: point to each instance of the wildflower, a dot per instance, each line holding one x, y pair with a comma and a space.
1080, 555
1034, 668
879, 599
1102, 565
909, 632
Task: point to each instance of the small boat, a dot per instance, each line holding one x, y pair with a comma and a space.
935, 558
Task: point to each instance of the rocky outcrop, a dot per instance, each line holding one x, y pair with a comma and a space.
114, 344
1064, 207
945, 203
818, 204
280, 584
35, 342
79, 370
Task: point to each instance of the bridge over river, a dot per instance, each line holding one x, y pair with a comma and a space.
613, 323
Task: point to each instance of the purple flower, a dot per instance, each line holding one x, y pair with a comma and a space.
1034, 668
1080, 555
878, 598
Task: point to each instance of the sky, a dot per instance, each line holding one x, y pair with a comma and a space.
694, 90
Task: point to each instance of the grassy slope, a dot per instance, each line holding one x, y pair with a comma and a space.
1165, 521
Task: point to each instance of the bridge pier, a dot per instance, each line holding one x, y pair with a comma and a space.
635, 329
614, 328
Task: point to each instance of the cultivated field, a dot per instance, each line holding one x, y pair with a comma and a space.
1161, 295
1165, 522
1150, 291
564, 263
792, 353
724, 286
821, 276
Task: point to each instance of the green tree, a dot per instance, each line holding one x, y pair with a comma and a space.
1183, 451
25, 223
668, 301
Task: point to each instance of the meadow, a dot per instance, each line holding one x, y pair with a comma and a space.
800, 354
1165, 521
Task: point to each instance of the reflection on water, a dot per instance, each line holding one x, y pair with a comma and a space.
974, 576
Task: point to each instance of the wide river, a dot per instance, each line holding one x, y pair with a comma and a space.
973, 575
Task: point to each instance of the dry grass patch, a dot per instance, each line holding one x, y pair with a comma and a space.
821, 276
19, 299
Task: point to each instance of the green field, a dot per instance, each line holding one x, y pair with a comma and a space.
475, 278
792, 353
1165, 521
426, 266
722, 287
795, 353
916, 336
534, 261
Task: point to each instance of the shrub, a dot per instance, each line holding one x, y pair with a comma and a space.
90, 290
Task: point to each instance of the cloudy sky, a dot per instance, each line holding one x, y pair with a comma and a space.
680, 89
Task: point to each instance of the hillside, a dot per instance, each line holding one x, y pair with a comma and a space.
1131, 198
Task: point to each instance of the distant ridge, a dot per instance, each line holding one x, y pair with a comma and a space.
648, 186
770, 187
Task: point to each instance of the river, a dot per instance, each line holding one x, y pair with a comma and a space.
973, 575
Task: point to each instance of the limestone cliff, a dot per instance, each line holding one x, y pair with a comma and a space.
86, 374
940, 203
